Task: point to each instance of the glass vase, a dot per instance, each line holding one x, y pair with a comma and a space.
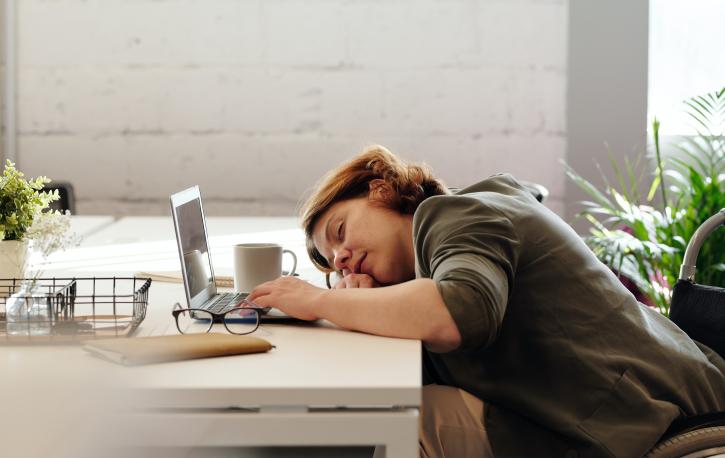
28, 311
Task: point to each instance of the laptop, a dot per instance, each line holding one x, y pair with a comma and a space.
196, 267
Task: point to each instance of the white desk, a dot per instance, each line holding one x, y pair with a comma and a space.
84, 225
320, 386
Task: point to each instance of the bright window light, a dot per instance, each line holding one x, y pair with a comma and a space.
686, 58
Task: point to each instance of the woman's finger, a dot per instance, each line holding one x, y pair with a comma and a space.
262, 301
341, 284
260, 290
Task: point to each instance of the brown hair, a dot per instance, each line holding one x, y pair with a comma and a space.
410, 184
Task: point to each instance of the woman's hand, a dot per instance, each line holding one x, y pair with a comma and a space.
291, 295
356, 281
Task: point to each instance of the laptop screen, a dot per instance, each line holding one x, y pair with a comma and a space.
194, 249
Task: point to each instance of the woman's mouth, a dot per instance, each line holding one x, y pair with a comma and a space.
359, 265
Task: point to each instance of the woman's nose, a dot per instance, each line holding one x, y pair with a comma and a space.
342, 257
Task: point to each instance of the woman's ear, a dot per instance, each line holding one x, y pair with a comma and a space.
379, 190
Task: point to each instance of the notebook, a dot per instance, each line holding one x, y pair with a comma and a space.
160, 349
174, 276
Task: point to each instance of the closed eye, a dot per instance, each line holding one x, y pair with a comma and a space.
339, 232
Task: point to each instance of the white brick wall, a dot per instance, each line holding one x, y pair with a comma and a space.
3, 46
255, 99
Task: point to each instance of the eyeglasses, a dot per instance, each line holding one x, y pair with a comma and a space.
237, 320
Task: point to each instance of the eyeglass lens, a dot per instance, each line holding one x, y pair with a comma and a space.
241, 320
194, 321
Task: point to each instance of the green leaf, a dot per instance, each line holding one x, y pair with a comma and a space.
21, 201
653, 188
651, 249
589, 188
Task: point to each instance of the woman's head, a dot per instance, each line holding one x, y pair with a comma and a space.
359, 218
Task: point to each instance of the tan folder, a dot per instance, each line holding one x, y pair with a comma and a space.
174, 276
159, 349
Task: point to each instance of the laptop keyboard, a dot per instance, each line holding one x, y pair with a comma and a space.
225, 300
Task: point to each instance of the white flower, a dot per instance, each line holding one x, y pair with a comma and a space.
50, 232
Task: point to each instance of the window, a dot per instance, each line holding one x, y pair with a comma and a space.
685, 58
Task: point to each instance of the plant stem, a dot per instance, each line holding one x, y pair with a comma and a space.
660, 169
669, 221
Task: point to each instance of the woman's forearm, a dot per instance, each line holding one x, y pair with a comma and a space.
413, 310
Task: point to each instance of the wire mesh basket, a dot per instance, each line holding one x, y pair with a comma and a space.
67, 310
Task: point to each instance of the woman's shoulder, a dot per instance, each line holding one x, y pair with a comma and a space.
503, 183
495, 193
449, 204
480, 211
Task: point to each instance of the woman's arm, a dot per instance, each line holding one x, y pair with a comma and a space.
413, 310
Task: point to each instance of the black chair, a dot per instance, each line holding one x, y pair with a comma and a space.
699, 310
697, 437
67, 197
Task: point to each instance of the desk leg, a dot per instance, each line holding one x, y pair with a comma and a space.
402, 440
396, 430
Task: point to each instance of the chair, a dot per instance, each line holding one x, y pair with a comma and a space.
538, 191
67, 197
703, 437
699, 310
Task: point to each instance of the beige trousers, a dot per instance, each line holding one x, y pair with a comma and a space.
451, 425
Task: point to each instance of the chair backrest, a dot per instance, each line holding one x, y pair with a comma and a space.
537, 190
699, 310
687, 271
67, 196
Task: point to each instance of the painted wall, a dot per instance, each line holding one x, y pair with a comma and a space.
254, 100
3, 83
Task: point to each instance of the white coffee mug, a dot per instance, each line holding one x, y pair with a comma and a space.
256, 263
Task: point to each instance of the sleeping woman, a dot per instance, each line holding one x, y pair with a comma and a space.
532, 347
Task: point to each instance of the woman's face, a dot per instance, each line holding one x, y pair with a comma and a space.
357, 236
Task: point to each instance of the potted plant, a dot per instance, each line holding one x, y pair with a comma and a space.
22, 203
645, 242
